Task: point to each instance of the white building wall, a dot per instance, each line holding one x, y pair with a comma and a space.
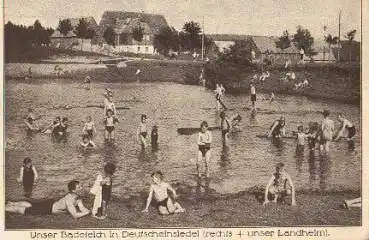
223, 44
143, 49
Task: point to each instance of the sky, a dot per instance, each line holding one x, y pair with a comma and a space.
252, 17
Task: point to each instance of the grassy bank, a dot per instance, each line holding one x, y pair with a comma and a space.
208, 210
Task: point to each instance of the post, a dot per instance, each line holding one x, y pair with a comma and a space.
339, 37
202, 40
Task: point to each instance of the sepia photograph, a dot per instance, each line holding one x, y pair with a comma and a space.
163, 114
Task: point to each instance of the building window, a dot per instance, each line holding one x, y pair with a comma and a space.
138, 49
147, 49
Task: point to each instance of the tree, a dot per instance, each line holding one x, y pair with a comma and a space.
192, 30
350, 37
64, 27
284, 41
330, 41
166, 40
138, 33
303, 39
109, 36
38, 31
83, 31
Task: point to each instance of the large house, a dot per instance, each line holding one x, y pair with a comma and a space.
124, 24
262, 47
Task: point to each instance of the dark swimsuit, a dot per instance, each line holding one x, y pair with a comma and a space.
277, 130
44, 207
106, 191
204, 149
351, 131
28, 180
90, 132
109, 128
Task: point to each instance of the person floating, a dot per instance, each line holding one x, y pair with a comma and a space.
345, 125
326, 132
110, 126
28, 176
277, 130
277, 186
142, 132
203, 141
102, 189
159, 190
69, 203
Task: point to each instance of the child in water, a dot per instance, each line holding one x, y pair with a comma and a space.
301, 138
28, 176
109, 105
313, 135
109, 126
159, 190
102, 190
89, 128
277, 185
203, 141
225, 127
87, 142
142, 132
154, 137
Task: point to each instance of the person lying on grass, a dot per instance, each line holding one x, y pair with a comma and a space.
165, 204
277, 186
70, 202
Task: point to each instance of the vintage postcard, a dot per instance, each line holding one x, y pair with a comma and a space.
184, 119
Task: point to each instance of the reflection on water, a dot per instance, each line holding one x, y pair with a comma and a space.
246, 162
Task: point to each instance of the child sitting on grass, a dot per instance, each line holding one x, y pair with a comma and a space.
159, 190
277, 186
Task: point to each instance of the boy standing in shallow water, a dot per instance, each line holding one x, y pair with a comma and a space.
203, 141
166, 205
142, 132
277, 185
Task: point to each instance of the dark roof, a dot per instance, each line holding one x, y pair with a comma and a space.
91, 23
154, 21
228, 37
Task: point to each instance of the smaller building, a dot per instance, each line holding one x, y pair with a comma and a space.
59, 40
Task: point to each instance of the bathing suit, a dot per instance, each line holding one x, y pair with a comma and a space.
204, 149
106, 191
44, 207
154, 138
163, 203
90, 132
217, 96
253, 97
109, 128
28, 179
351, 131
280, 183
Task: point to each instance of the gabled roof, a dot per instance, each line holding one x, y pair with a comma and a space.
91, 23
57, 34
228, 37
112, 18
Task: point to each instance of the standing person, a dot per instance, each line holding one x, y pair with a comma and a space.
110, 126
203, 141
154, 138
313, 135
28, 176
302, 53
89, 128
345, 125
102, 190
142, 132
326, 132
222, 91
70, 202
109, 105
159, 190
277, 130
253, 95
217, 95
301, 138
277, 185
225, 127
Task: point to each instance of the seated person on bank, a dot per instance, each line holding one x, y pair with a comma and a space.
69, 203
277, 186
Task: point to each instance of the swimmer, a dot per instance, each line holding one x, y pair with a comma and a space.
313, 135
203, 141
142, 132
277, 130
326, 132
87, 142
301, 137
28, 176
253, 96
159, 190
31, 125
345, 125
109, 105
235, 121
277, 186
110, 126
225, 127
89, 127
102, 190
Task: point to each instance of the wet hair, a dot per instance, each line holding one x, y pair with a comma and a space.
326, 113
158, 174
109, 168
72, 185
300, 128
143, 116
222, 114
279, 166
204, 124
27, 160
58, 118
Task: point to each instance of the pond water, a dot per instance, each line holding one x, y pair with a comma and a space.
248, 162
